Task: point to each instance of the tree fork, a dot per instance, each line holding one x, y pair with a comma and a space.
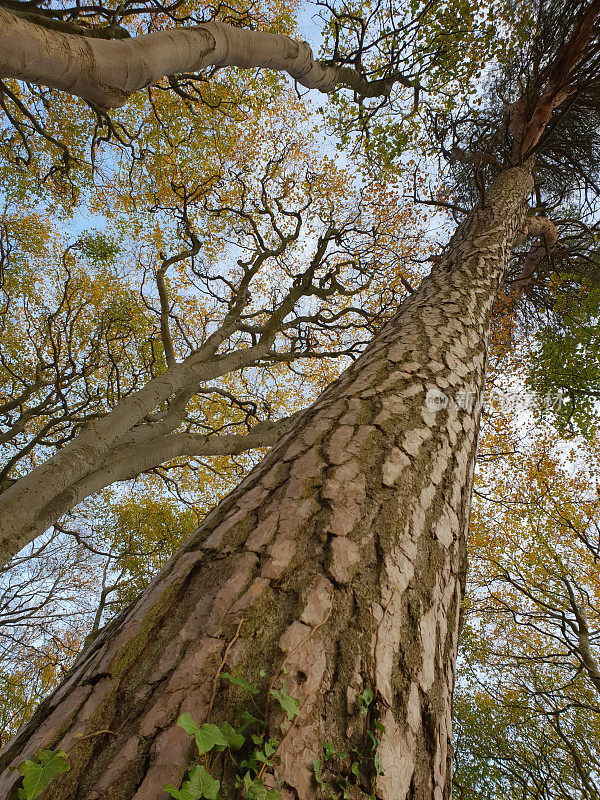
340, 557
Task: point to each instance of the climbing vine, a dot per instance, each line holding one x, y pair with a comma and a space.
261, 750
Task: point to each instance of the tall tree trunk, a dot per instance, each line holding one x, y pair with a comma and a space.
340, 559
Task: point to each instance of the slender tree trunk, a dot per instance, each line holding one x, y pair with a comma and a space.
339, 559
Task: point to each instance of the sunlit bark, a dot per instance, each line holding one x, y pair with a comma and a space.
107, 72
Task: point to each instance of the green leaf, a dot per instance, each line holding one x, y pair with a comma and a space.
251, 763
246, 720
200, 784
207, 736
378, 763
97, 247
206, 783
256, 790
186, 721
234, 739
291, 705
316, 765
38, 774
364, 701
328, 750
355, 769
260, 756
241, 682
270, 747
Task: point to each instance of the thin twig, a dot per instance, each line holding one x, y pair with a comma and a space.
221, 665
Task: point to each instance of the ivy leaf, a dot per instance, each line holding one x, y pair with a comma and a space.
291, 705
234, 739
364, 701
207, 736
200, 784
378, 763
246, 720
316, 765
256, 790
374, 740
260, 756
251, 763
328, 750
241, 682
38, 774
270, 746
186, 721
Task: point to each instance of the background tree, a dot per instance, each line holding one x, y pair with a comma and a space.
527, 707
255, 120
243, 301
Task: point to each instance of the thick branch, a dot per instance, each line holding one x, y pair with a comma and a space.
108, 72
546, 230
45, 20
165, 331
44, 486
584, 650
559, 74
128, 461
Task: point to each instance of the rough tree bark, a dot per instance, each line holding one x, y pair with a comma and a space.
341, 556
